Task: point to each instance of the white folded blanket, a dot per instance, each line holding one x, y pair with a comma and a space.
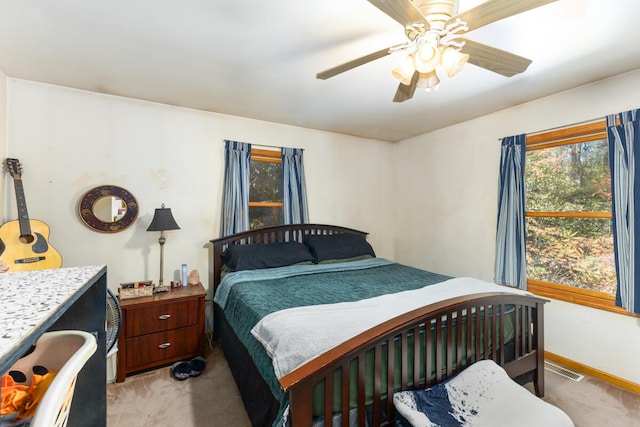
294, 336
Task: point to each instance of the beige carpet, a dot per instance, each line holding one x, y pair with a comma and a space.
591, 402
156, 399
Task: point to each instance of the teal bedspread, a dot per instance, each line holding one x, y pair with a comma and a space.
248, 296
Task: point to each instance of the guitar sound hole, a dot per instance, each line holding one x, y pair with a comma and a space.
27, 239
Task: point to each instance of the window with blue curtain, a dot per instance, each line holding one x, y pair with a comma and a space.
581, 196
262, 187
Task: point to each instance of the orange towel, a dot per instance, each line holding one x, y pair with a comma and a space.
24, 399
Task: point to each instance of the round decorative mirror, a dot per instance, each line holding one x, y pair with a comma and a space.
108, 209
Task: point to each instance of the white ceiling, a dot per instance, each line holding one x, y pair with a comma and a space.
258, 59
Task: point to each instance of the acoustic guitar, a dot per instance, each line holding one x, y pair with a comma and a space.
23, 242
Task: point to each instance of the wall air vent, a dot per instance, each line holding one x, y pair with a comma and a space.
574, 376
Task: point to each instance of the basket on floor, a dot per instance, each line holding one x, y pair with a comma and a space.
63, 352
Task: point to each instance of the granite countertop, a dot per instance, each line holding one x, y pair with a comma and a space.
29, 298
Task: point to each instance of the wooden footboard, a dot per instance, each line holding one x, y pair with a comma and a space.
450, 345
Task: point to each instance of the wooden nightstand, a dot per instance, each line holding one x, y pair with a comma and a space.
161, 329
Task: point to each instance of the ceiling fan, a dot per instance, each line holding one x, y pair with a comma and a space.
435, 31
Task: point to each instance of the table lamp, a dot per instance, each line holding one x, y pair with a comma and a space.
162, 221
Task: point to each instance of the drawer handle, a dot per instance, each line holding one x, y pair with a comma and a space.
164, 316
164, 345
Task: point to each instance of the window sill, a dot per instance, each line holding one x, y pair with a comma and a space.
576, 296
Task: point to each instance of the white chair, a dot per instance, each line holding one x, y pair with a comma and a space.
481, 395
64, 352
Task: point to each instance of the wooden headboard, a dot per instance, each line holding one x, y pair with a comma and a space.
275, 234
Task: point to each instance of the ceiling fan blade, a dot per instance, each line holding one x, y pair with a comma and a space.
406, 92
402, 11
495, 10
493, 59
323, 75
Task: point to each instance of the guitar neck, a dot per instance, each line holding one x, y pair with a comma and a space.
23, 215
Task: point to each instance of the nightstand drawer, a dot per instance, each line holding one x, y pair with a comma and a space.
161, 317
149, 349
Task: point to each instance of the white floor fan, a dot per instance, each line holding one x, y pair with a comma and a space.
114, 319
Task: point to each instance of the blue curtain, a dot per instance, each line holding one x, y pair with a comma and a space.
511, 265
294, 187
235, 196
623, 140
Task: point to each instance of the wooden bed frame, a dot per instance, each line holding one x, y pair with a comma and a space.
523, 358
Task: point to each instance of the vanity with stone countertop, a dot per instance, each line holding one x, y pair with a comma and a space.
34, 302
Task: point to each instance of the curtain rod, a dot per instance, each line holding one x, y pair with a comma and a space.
264, 145
584, 122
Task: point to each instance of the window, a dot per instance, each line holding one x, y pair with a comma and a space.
568, 216
265, 188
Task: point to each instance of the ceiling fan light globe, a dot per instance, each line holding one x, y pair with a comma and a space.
426, 58
404, 70
428, 81
453, 60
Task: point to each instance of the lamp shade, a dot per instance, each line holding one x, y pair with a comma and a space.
404, 71
426, 57
163, 220
429, 81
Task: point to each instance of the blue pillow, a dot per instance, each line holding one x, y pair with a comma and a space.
337, 246
257, 256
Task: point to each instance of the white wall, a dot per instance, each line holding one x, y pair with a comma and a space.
447, 206
70, 141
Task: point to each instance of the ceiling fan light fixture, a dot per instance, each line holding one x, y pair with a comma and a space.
453, 60
404, 70
426, 57
429, 81
436, 39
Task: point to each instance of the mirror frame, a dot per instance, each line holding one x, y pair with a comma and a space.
85, 208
